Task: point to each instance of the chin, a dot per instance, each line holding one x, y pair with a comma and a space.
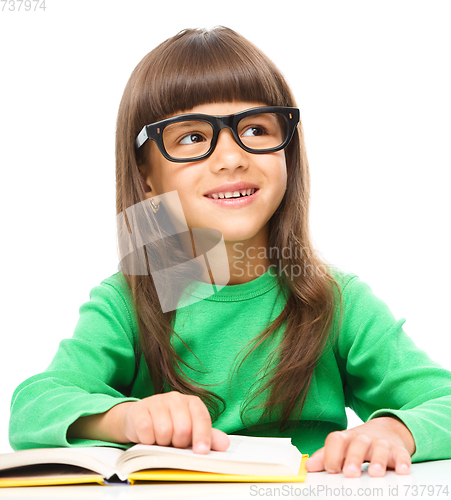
238, 236
235, 231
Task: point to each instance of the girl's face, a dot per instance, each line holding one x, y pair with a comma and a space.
228, 163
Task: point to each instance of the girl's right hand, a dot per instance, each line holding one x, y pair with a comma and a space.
172, 418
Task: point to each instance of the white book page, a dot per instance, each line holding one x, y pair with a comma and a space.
107, 455
100, 459
242, 449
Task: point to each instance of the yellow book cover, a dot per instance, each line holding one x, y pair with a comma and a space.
188, 475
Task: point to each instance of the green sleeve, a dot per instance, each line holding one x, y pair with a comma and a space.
90, 373
386, 374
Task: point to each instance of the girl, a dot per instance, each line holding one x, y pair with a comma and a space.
285, 346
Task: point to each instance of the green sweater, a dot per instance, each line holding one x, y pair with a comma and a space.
374, 367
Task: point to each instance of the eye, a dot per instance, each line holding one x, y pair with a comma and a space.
254, 131
192, 139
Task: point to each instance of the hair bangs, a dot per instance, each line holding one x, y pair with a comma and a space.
202, 67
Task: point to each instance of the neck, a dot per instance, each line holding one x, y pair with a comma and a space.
247, 259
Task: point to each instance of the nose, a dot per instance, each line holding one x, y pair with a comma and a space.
228, 153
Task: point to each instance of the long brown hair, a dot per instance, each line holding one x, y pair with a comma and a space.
196, 67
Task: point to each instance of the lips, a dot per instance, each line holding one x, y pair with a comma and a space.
231, 187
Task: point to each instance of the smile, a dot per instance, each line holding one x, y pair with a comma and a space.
239, 201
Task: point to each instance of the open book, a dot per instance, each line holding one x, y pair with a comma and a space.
248, 459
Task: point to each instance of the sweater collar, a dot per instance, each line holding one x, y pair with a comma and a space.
243, 291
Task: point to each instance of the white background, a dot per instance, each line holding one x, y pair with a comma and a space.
372, 82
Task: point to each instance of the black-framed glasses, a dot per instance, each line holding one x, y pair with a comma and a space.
193, 136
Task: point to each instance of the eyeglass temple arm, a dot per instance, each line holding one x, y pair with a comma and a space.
142, 137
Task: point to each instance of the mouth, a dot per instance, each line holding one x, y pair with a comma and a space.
229, 195
231, 201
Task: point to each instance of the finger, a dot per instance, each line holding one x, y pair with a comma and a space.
162, 421
379, 458
142, 430
182, 431
357, 451
402, 460
219, 440
315, 462
335, 448
201, 420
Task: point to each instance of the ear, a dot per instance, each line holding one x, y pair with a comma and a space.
145, 182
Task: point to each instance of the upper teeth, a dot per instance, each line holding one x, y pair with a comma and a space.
230, 194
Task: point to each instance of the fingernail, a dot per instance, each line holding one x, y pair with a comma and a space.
351, 468
404, 468
377, 468
201, 448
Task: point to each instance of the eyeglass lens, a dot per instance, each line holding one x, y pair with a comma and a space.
189, 139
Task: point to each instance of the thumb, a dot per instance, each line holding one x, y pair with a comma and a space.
315, 463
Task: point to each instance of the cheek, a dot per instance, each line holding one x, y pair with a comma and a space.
281, 169
160, 170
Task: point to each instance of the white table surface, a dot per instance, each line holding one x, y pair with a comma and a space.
424, 481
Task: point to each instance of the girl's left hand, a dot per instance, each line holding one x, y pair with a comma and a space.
383, 441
